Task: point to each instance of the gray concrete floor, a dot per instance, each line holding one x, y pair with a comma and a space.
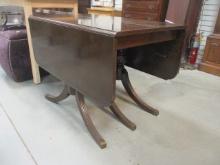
34, 131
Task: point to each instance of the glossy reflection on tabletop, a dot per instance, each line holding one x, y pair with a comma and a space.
114, 23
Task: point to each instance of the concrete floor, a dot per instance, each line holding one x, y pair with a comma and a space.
34, 131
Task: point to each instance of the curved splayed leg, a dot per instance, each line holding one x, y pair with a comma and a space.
88, 122
130, 90
55, 99
122, 117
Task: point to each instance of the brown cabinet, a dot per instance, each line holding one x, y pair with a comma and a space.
211, 59
83, 5
185, 12
152, 10
217, 26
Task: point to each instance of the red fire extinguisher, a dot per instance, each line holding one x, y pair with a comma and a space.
194, 48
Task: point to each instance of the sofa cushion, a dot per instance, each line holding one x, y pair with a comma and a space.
14, 34
14, 54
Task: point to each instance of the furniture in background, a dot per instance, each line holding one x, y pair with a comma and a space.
14, 54
83, 5
98, 62
97, 8
14, 51
187, 13
12, 17
145, 9
211, 60
28, 6
104, 10
217, 26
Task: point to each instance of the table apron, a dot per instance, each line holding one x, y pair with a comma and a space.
145, 39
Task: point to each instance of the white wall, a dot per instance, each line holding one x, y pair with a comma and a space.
207, 22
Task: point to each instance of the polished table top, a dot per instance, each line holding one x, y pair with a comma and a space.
112, 25
84, 49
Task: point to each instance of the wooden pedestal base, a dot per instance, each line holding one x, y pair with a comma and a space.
123, 76
67, 91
